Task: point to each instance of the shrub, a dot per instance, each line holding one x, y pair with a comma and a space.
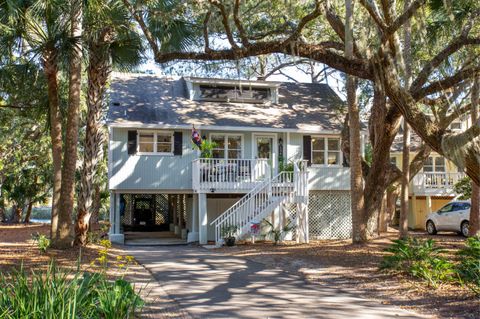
42, 241
277, 234
420, 259
65, 294
469, 267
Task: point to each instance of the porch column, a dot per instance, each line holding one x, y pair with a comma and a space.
202, 218
171, 213
193, 235
302, 223
176, 213
115, 236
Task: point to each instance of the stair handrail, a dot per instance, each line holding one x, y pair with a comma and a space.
265, 185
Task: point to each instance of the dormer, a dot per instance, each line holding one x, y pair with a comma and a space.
232, 91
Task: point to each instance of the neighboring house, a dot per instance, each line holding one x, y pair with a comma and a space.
158, 181
432, 187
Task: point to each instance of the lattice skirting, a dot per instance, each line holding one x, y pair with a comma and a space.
329, 215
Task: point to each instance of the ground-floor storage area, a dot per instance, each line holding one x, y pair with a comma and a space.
421, 206
189, 216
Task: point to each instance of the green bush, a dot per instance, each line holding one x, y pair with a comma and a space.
65, 294
419, 258
42, 241
469, 267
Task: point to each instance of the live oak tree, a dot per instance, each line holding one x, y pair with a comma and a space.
316, 30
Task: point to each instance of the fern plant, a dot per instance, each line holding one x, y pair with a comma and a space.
419, 258
469, 266
277, 233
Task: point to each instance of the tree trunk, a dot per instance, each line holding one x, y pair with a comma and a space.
383, 217
392, 196
17, 211
2, 214
407, 60
359, 227
28, 213
98, 73
403, 220
475, 209
64, 231
97, 203
51, 73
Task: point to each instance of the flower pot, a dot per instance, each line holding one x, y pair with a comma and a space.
230, 241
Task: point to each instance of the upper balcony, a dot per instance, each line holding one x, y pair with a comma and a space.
435, 183
229, 175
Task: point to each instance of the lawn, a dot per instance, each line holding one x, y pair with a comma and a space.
355, 267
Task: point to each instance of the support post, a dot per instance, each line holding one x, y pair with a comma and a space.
176, 214
193, 235
115, 236
202, 218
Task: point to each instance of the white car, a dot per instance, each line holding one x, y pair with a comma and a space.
452, 217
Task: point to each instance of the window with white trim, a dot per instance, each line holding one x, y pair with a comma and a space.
434, 164
456, 126
226, 146
150, 142
326, 151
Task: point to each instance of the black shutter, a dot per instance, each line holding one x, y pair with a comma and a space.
177, 143
307, 149
132, 142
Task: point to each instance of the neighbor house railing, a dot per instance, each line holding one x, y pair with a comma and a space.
440, 181
211, 174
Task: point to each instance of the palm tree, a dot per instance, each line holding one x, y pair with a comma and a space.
36, 31
111, 42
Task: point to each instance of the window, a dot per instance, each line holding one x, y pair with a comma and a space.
434, 164
456, 126
226, 146
326, 151
155, 142
445, 209
233, 93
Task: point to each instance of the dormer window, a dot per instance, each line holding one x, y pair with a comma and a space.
234, 93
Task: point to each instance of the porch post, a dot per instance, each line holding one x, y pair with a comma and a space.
176, 215
115, 236
171, 213
202, 218
193, 235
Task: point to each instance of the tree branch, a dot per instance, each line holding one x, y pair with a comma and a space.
238, 24
226, 26
446, 83
453, 47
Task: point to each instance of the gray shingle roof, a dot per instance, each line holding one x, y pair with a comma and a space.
147, 99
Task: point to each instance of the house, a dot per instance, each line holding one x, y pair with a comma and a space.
159, 182
432, 187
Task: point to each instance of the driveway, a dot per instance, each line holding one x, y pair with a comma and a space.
208, 284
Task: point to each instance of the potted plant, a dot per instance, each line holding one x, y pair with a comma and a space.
228, 234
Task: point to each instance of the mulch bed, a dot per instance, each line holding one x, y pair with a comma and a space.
355, 267
18, 248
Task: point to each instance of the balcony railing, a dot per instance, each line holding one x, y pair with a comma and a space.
212, 174
436, 181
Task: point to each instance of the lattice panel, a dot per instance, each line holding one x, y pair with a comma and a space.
161, 209
292, 217
126, 207
329, 215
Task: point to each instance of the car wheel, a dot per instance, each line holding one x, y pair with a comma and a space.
464, 228
431, 229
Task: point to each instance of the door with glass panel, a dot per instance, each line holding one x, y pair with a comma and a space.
264, 148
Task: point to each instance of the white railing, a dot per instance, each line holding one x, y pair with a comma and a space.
262, 200
225, 174
436, 180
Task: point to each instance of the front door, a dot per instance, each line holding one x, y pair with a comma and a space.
265, 148
144, 212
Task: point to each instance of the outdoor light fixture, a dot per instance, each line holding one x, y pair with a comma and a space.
212, 190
